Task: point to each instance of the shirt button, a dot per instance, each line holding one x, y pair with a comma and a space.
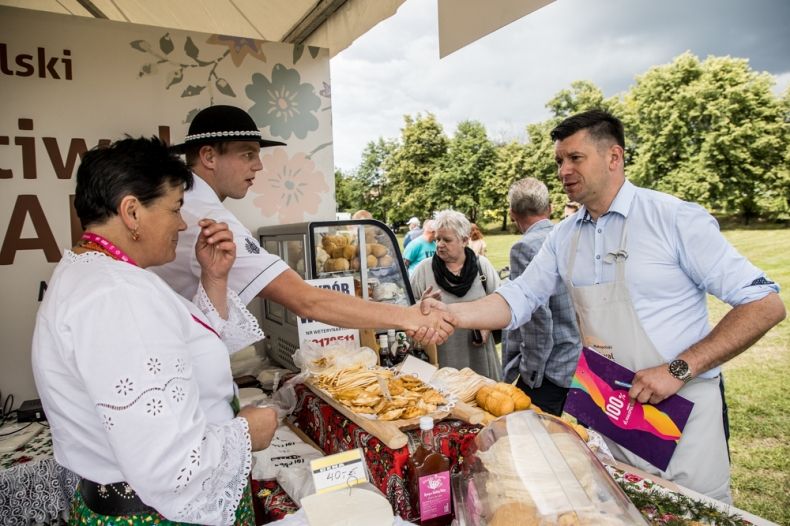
598, 256
600, 230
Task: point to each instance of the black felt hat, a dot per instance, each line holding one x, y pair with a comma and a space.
222, 123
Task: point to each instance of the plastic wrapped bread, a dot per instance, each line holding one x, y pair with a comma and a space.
531, 468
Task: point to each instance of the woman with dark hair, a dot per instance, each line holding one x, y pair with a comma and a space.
134, 379
455, 275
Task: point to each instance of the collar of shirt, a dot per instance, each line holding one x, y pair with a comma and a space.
543, 223
621, 204
201, 190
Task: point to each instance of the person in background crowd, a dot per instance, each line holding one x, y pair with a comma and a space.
136, 380
422, 248
456, 274
476, 241
638, 265
414, 231
543, 352
223, 150
362, 214
571, 207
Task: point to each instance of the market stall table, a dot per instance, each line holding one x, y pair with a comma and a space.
333, 433
33, 487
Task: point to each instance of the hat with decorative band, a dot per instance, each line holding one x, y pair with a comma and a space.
221, 124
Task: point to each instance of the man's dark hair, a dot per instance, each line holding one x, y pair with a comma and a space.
192, 152
139, 167
599, 124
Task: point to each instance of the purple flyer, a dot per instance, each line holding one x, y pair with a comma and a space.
650, 431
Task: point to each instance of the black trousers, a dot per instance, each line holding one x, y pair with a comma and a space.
550, 397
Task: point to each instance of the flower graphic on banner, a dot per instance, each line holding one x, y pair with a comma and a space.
288, 187
284, 103
239, 47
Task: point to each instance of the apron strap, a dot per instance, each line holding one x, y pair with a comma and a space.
572, 255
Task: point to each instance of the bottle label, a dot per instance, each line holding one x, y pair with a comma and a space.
434, 495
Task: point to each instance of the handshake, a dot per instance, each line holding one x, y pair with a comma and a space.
431, 321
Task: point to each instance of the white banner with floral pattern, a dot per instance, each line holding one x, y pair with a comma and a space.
69, 83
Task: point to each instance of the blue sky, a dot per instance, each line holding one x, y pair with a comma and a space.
505, 79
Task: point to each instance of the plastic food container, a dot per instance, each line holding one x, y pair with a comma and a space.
532, 470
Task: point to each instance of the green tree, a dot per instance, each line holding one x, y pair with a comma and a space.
371, 178
711, 132
540, 162
583, 95
410, 166
345, 192
468, 164
509, 166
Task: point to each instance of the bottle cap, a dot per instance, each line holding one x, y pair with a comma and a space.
426, 423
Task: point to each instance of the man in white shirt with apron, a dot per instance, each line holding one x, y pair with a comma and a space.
638, 265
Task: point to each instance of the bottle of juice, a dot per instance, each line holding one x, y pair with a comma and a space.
429, 479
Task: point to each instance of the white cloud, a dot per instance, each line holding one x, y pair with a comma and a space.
505, 79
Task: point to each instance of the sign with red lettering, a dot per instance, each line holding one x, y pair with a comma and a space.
320, 334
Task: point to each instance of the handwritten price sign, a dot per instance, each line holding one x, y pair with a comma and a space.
341, 470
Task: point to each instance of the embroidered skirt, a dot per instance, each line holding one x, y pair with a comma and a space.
81, 515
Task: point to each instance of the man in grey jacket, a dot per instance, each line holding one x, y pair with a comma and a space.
543, 351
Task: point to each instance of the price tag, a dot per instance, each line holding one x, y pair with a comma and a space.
338, 471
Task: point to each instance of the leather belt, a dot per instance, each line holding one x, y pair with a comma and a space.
115, 499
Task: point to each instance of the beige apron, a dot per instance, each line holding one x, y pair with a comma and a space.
609, 324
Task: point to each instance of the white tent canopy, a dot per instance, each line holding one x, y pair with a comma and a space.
331, 24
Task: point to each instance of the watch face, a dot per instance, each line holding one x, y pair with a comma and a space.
678, 368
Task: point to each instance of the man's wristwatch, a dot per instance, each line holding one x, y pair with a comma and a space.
680, 370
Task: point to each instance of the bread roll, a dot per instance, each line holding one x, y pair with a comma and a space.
372, 261
378, 250
336, 264
512, 513
386, 261
349, 251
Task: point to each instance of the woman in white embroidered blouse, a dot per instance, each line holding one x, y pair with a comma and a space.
135, 380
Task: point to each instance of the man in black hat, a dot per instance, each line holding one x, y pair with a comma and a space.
223, 150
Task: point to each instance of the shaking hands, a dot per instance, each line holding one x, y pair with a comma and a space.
434, 323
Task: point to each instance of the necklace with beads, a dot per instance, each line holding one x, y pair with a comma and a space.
97, 243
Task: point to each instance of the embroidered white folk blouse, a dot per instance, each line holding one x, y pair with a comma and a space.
137, 387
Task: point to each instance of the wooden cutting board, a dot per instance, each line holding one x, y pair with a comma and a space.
390, 432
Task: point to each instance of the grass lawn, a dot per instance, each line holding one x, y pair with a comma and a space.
759, 411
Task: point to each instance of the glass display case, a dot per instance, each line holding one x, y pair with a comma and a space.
365, 249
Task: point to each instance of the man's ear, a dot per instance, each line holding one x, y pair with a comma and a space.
207, 155
129, 212
616, 156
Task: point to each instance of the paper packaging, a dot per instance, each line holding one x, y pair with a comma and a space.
422, 370
287, 459
362, 504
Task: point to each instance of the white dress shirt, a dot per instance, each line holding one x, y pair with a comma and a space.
676, 255
253, 269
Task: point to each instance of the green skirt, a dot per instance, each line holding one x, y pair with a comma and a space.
80, 514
